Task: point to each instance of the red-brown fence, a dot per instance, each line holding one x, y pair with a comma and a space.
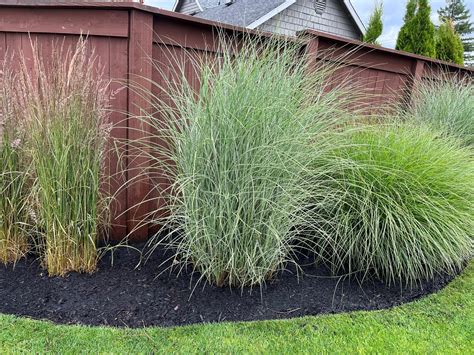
126, 35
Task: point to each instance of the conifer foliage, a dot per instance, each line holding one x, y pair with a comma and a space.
456, 11
375, 27
449, 46
404, 36
417, 34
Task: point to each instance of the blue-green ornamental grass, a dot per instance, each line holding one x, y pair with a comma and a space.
446, 104
264, 163
239, 151
402, 204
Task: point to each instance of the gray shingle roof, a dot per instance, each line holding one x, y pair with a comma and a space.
206, 4
240, 13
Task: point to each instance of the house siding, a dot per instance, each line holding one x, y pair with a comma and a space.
302, 15
188, 7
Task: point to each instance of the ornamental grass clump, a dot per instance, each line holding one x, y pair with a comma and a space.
236, 157
14, 171
402, 205
447, 105
65, 97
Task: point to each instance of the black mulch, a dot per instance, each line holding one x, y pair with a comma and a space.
123, 296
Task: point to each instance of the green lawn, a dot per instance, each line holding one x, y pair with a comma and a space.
441, 323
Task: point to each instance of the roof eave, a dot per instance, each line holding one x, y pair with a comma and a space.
177, 2
270, 14
355, 16
175, 6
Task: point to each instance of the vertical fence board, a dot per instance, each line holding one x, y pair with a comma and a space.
140, 71
3, 45
416, 76
118, 71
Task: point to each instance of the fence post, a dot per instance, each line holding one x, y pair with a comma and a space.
140, 50
418, 68
312, 53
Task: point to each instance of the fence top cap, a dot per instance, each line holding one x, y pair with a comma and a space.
375, 48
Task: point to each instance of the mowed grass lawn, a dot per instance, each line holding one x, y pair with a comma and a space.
440, 323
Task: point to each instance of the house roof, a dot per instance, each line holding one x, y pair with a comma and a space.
202, 4
253, 13
241, 12
355, 15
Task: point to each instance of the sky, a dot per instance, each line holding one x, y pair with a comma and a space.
394, 10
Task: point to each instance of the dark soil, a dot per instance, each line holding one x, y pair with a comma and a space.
120, 295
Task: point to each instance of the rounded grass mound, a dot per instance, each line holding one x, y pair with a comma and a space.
446, 105
402, 205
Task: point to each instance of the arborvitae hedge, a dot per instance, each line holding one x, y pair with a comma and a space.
418, 32
375, 25
449, 46
404, 41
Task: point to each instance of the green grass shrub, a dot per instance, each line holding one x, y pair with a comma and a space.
65, 99
447, 105
14, 171
400, 204
237, 156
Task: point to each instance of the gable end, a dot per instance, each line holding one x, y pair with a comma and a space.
187, 7
336, 19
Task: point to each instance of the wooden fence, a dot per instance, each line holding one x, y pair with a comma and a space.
126, 35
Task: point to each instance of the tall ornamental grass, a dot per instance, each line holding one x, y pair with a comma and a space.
14, 171
402, 205
236, 155
66, 100
447, 105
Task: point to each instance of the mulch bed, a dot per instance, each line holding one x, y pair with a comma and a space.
124, 296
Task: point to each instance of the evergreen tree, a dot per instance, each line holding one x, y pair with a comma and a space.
418, 32
375, 27
424, 30
411, 10
449, 46
456, 11
404, 40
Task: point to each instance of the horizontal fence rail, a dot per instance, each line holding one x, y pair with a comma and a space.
133, 43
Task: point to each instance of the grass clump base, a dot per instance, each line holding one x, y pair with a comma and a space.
14, 240
402, 206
